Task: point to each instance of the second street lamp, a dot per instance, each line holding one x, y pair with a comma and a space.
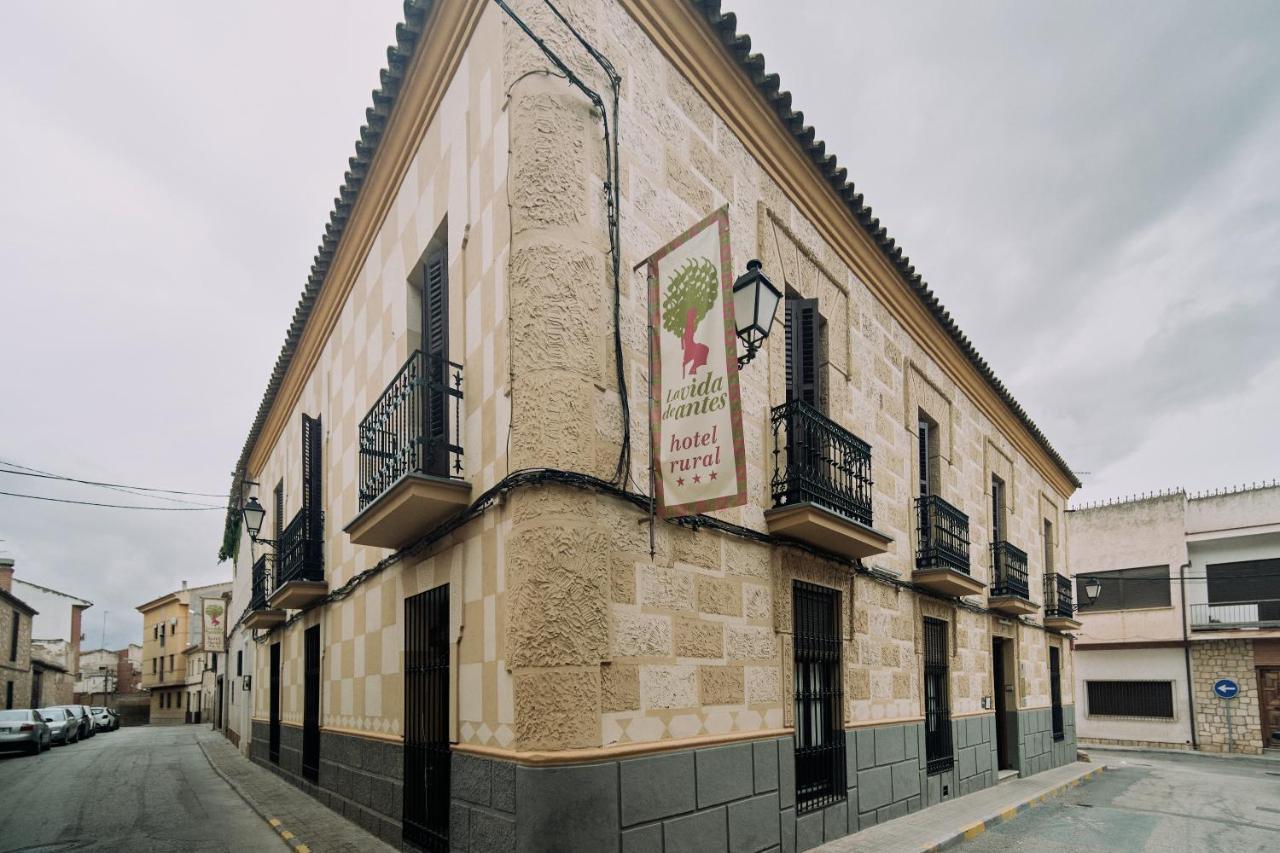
253, 516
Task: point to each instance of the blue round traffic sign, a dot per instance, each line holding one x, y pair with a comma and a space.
1225, 688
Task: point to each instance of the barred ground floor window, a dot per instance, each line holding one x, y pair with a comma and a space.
937, 698
820, 753
1143, 699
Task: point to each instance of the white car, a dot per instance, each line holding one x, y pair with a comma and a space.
102, 719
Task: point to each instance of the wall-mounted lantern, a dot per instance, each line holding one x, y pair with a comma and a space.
755, 302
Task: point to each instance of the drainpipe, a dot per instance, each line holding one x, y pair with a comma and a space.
1186, 653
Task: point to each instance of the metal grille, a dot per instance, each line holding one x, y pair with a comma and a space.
273, 724
415, 427
815, 460
1057, 597
427, 755
261, 584
820, 755
1130, 699
1010, 572
944, 535
1055, 692
311, 704
937, 698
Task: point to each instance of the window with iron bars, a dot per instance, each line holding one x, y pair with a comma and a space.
1055, 691
820, 753
937, 699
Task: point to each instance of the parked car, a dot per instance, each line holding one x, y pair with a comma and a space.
102, 719
64, 726
88, 716
25, 730
84, 723
115, 718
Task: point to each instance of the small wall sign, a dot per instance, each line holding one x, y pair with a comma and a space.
1225, 688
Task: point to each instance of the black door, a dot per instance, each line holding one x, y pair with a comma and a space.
273, 732
997, 670
311, 705
426, 712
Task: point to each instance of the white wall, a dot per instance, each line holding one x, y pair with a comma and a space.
1164, 664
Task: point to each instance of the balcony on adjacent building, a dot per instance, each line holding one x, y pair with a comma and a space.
821, 484
259, 614
411, 455
942, 550
1010, 591
299, 569
1238, 614
1059, 607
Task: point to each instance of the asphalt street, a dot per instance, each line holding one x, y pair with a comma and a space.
137, 789
1154, 803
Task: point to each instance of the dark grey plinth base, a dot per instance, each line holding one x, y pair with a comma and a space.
739, 796
1038, 751
360, 778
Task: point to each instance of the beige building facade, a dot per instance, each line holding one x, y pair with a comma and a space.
1190, 597
458, 577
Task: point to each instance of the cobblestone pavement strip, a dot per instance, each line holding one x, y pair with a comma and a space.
954, 821
302, 821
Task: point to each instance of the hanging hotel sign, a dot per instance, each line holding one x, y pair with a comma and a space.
213, 613
695, 407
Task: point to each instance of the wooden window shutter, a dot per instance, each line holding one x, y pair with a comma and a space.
312, 496
435, 368
803, 377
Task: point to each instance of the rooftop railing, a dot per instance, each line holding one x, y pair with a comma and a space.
1239, 614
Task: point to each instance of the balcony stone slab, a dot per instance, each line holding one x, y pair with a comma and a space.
828, 530
1012, 605
1061, 623
263, 618
947, 581
411, 508
295, 595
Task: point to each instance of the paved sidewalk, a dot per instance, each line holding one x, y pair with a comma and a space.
952, 822
301, 821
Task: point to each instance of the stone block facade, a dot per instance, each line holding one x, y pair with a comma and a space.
1234, 659
15, 658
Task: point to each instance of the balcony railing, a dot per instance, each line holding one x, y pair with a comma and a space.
301, 551
1010, 571
415, 427
261, 584
1057, 597
944, 535
1240, 614
818, 461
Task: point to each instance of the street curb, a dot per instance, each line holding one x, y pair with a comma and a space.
976, 829
285, 835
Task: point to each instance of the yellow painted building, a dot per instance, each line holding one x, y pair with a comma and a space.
465, 631
170, 642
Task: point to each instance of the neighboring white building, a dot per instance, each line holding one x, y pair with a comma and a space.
236, 675
1190, 595
59, 617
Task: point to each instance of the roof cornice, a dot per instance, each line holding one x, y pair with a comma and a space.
705, 45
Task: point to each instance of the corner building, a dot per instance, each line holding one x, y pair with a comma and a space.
462, 638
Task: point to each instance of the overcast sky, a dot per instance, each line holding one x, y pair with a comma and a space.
1093, 190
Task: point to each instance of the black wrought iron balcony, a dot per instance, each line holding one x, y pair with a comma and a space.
301, 549
818, 461
299, 570
1236, 614
260, 613
414, 428
944, 535
261, 584
1057, 597
1010, 590
942, 548
411, 473
821, 486
1059, 606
